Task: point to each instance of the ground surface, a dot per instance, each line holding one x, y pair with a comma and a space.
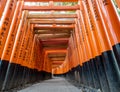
52, 85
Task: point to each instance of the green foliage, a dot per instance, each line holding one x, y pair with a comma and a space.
65, 3
69, 3
118, 10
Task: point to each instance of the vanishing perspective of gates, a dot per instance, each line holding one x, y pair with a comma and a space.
77, 39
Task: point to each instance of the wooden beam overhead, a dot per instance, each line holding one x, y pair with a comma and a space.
54, 42
52, 21
59, 63
55, 45
50, 0
44, 35
53, 36
56, 55
49, 16
58, 59
58, 39
37, 27
49, 8
53, 48
57, 51
53, 65
54, 31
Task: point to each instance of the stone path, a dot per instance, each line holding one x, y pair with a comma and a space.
52, 85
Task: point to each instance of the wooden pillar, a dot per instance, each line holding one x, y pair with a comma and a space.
2, 7
4, 28
6, 22
12, 33
111, 19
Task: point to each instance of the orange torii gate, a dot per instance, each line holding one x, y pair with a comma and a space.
86, 43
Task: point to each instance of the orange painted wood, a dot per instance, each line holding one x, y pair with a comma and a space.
26, 48
49, 0
90, 30
2, 6
24, 45
77, 36
40, 27
56, 51
29, 48
100, 31
81, 22
75, 53
18, 39
110, 19
48, 16
118, 3
31, 59
12, 33
6, 22
52, 21
49, 8
82, 41
95, 29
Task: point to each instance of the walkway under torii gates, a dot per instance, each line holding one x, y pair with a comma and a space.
77, 39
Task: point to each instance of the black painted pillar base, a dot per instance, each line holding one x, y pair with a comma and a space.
112, 71
3, 69
116, 50
101, 74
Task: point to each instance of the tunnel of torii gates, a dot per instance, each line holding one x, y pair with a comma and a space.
82, 46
